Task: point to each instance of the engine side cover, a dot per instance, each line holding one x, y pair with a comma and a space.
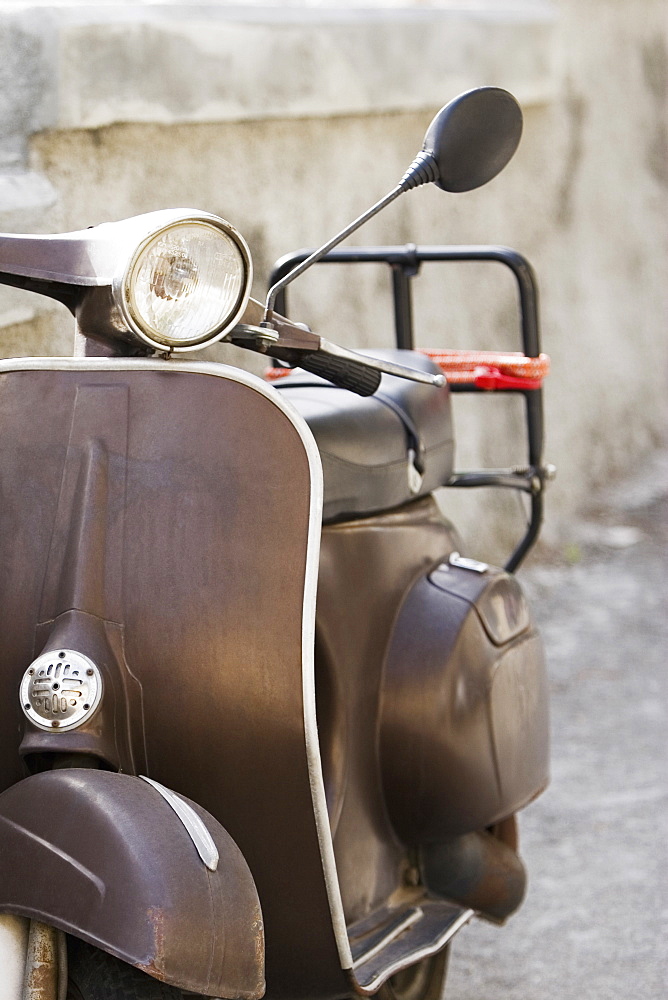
464, 734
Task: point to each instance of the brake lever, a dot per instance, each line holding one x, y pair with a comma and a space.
380, 365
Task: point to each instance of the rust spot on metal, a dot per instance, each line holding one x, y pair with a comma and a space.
151, 970
257, 932
155, 967
42, 963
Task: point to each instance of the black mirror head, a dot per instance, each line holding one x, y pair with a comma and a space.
469, 141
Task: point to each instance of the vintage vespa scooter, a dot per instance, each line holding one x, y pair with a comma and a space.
258, 735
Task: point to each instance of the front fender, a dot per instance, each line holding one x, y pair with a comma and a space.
103, 856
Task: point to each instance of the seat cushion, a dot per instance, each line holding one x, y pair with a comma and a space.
370, 446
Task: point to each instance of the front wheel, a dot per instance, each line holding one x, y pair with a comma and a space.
423, 981
95, 975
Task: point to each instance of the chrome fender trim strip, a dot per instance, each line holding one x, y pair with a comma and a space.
196, 829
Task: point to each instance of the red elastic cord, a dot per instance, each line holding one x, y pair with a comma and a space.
489, 377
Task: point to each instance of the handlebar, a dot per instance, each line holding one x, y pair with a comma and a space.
297, 346
342, 373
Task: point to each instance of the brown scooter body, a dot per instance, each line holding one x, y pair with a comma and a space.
256, 750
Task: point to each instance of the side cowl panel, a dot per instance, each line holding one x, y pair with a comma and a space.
112, 863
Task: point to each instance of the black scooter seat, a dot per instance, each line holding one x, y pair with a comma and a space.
379, 451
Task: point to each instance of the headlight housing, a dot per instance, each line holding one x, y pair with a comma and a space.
186, 284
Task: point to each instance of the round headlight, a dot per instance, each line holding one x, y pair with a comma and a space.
186, 284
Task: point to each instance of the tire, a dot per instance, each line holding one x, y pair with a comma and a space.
95, 975
423, 981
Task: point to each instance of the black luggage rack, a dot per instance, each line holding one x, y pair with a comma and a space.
404, 263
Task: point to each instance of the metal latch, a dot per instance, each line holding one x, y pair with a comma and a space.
462, 562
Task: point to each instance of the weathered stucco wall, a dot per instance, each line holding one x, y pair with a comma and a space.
289, 122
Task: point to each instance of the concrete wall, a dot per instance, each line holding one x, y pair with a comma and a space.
289, 121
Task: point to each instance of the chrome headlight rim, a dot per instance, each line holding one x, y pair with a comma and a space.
122, 285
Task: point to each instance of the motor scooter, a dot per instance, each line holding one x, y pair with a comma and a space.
264, 730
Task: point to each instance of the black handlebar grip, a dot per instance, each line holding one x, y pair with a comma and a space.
343, 373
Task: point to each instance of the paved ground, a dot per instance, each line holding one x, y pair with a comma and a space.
595, 922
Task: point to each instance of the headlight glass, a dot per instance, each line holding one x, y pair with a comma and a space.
186, 284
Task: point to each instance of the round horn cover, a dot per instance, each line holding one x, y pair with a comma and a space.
473, 137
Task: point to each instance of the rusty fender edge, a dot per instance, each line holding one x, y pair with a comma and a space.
103, 856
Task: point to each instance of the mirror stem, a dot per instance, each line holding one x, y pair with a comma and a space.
318, 254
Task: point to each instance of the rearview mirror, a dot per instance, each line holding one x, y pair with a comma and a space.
469, 141
467, 144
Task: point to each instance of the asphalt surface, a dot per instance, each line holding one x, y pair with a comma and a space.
595, 920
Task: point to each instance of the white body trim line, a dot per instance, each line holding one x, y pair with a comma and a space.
310, 583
